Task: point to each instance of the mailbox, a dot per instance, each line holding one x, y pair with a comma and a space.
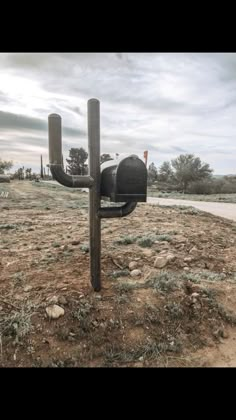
124, 180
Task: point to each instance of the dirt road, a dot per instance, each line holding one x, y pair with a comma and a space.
227, 210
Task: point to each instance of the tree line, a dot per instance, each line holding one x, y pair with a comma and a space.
188, 174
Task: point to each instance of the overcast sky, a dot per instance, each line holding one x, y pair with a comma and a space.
167, 104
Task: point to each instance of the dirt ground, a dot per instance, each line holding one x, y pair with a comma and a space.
168, 274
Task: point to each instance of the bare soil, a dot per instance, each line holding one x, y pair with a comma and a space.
181, 315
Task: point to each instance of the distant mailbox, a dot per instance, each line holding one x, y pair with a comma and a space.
124, 180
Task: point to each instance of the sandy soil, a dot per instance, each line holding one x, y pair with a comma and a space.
178, 310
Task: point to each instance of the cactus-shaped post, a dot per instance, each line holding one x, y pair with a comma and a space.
91, 181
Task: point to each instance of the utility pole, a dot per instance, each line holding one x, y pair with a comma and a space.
41, 171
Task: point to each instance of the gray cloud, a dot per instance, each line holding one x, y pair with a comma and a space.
20, 122
165, 103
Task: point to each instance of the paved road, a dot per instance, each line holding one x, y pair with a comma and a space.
227, 210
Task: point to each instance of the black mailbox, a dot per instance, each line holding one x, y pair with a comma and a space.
124, 180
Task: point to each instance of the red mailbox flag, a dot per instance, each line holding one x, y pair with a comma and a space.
145, 155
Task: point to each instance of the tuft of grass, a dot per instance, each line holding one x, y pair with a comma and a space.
163, 237
17, 323
55, 245
83, 315
84, 248
174, 310
126, 240
18, 277
203, 275
8, 226
120, 273
124, 287
165, 282
145, 242
120, 299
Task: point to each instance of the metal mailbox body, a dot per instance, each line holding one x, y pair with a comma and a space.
124, 180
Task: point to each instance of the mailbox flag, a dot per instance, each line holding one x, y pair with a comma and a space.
145, 155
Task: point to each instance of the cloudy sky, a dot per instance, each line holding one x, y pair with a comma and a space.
167, 104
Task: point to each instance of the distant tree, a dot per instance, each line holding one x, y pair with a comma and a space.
152, 173
19, 174
105, 157
28, 173
165, 173
5, 165
76, 162
188, 168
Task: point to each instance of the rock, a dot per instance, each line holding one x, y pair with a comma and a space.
188, 259
209, 266
133, 265
225, 334
62, 300
28, 288
160, 262
53, 299
19, 297
194, 250
170, 257
180, 239
75, 242
147, 252
186, 268
55, 311
135, 273
194, 294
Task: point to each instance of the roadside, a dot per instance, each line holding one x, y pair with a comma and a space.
227, 210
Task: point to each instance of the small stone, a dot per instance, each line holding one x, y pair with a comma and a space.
133, 265
193, 250
160, 262
225, 334
139, 300
140, 358
71, 338
195, 294
147, 253
210, 266
188, 259
53, 299
75, 242
135, 273
170, 257
28, 288
186, 268
55, 311
62, 300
